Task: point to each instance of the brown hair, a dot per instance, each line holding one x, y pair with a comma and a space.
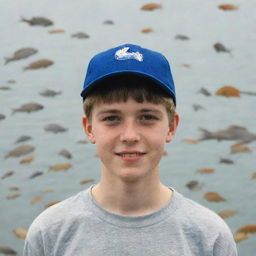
120, 87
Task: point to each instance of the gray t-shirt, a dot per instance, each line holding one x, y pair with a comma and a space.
78, 226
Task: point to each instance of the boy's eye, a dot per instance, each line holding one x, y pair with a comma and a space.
110, 118
148, 117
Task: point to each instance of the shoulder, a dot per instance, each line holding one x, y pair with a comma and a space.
56, 215
200, 223
199, 216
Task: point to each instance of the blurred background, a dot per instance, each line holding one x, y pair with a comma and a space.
44, 153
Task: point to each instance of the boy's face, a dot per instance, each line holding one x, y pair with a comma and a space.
130, 137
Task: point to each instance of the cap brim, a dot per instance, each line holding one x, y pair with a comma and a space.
91, 85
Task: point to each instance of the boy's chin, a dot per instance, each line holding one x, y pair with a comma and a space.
132, 176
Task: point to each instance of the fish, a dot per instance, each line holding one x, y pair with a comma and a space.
213, 197
108, 22
27, 160
65, 153
2, 117
241, 236
80, 35
228, 91
248, 93
38, 21
60, 167
56, 31
239, 148
82, 182
147, 30
55, 128
28, 107
206, 170
7, 174
42, 63
227, 7
253, 175
247, 229
35, 174
191, 141
194, 185
47, 190
82, 141
22, 53
14, 188
204, 92
233, 132
227, 213
6, 250
13, 196
36, 199
5, 88
151, 7
11, 81
23, 138
181, 37
51, 204
197, 107
185, 65
20, 150
49, 93
20, 232
219, 47
226, 161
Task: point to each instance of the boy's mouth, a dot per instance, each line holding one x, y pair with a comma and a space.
130, 154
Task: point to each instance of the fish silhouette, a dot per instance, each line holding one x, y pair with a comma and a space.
233, 132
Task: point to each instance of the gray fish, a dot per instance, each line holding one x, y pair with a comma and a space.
12, 196
28, 107
204, 92
226, 161
7, 250
21, 54
43, 63
233, 132
36, 174
55, 128
22, 139
11, 81
197, 107
248, 93
38, 21
65, 153
82, 142
108, 22
20, 151
50, 93
5, 88
7, 174
80, 35
194, 185
219, 47
2, 116
182, 37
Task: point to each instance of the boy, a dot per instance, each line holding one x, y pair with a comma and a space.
129, 101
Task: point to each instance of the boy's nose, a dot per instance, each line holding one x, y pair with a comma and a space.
129, 134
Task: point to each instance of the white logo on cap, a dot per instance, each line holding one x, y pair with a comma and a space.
122, 54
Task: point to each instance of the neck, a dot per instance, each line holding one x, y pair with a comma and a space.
131, 198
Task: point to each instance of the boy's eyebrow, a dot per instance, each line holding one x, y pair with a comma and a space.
108, 111
149, 110
116, 111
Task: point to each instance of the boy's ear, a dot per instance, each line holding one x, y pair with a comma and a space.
88, 129
172, 127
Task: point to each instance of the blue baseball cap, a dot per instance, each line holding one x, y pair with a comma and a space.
126, 59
